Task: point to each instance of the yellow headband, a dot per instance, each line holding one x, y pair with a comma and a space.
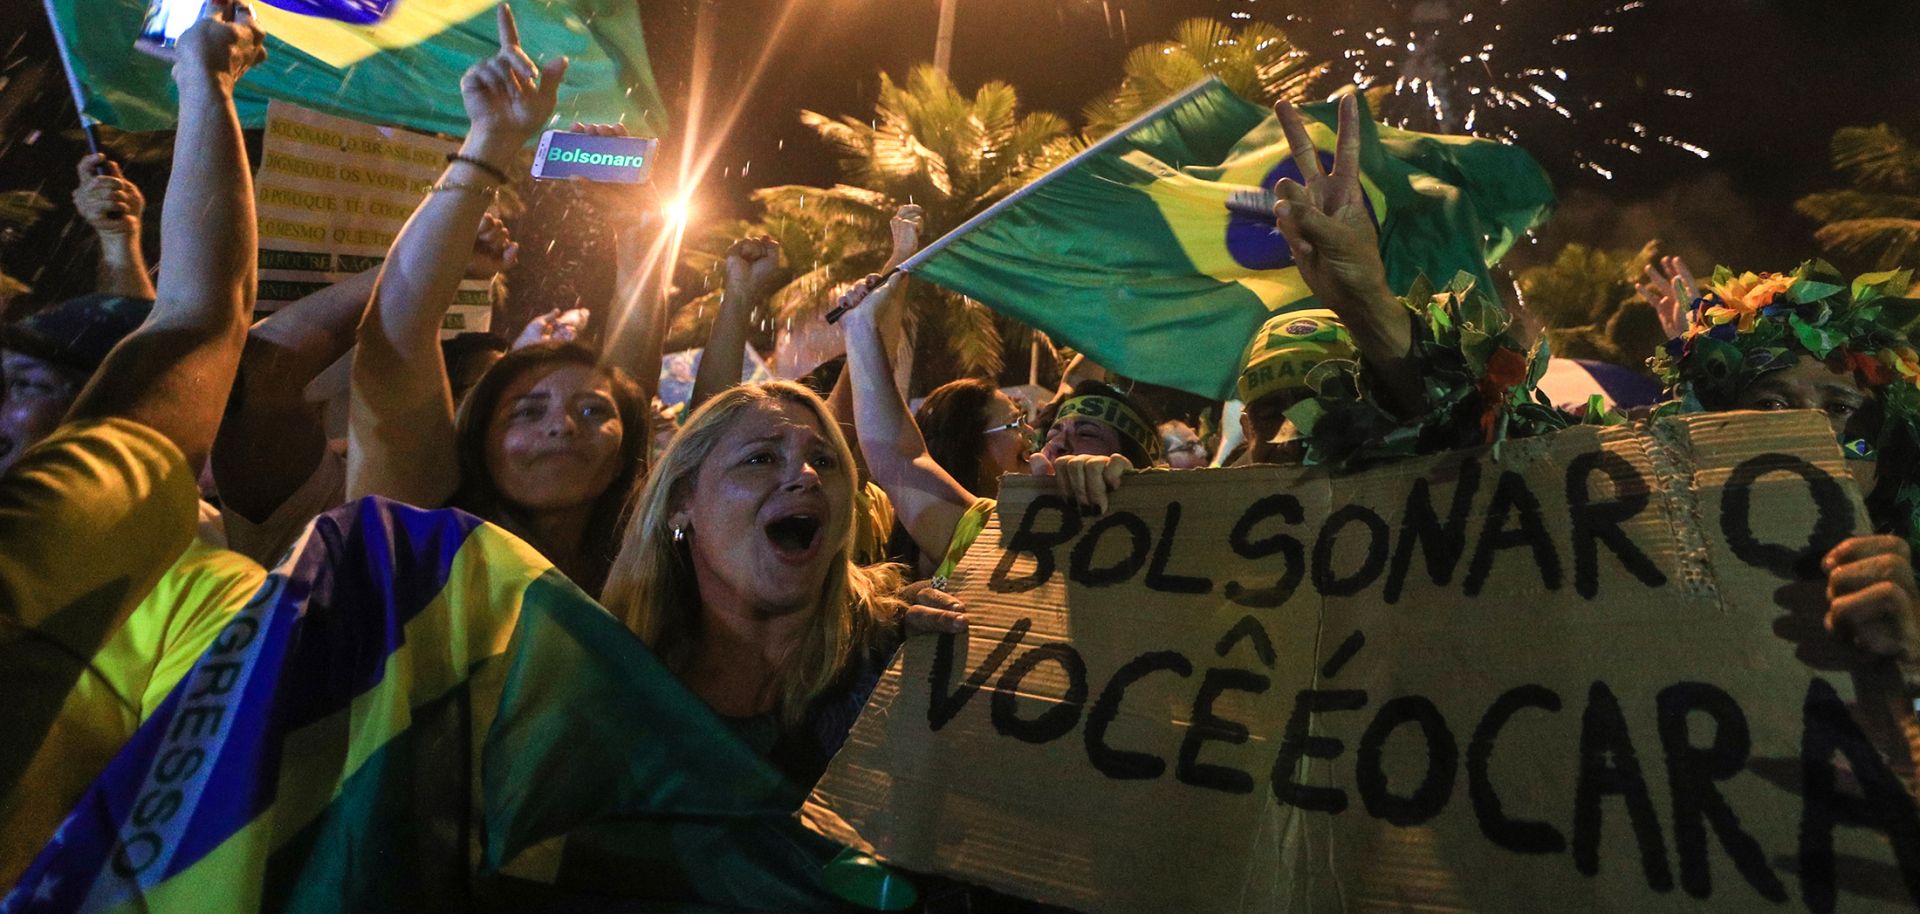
1114, 414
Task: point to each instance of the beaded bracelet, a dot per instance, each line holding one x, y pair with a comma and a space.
487, 167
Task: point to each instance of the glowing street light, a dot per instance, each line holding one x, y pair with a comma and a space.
679, 210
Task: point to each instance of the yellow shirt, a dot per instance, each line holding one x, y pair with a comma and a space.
106, 600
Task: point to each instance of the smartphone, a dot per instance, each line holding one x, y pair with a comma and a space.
607, 159
166, 21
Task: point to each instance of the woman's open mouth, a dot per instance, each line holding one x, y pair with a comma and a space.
795, 536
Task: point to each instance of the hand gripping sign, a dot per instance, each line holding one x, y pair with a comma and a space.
1589, 675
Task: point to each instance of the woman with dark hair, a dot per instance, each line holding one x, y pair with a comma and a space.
552, 440
551, 446
975, 432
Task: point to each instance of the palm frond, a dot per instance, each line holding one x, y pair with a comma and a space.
848, 137
1889, 243
974, 339
1879, 157
1258, 62
1838, 205
22, 208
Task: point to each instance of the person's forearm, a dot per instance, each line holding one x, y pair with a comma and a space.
422, 272
271, 439
208, 249
401, 409
123, 268
889, 438
173, 373
1382, 329
724, 358
302, 339
637, 338
927, 501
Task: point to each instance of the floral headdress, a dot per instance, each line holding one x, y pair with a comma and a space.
1480, 373
1745, 325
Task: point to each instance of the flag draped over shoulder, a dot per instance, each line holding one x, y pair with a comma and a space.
403, 69
1154, 251
417, 712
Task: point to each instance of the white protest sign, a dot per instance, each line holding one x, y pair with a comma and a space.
1589, 675
332, 194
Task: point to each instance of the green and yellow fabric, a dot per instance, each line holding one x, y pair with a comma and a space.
1154, 252
1288, 347
417, 711
402, 70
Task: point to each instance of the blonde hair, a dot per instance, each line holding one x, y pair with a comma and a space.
652, 587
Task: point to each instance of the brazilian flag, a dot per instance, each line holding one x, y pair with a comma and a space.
1154, 251
401, 68
417, 712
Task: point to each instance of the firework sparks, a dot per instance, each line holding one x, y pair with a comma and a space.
1489, 68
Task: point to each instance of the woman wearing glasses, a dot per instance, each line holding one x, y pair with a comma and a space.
941, 472
975, 433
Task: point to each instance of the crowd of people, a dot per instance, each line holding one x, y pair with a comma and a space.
161, 450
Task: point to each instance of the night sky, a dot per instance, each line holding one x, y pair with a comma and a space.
1769, 81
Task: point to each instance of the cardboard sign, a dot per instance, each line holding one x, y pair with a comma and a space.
1589, 675
331, 196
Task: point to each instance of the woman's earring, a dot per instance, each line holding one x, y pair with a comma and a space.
679, 534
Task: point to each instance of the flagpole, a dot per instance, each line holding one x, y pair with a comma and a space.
1107, 142
87, 121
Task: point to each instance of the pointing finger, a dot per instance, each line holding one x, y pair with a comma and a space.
509, 30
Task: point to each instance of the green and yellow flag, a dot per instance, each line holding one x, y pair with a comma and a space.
417, 712
403, 69
1154, 251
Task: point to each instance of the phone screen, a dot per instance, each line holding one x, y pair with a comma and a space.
166, 21
608, 159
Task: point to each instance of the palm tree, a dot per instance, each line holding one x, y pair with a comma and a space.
929, 144
1878, 219
955, 155
1257, 61
1586, 300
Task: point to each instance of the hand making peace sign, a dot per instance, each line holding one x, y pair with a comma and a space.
1325, 219
1337, 249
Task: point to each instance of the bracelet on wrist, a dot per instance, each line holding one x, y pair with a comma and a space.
486, 190
491, 169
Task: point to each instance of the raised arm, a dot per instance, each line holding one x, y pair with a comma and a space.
1337, 249
751, 263
636, 341
636, 332
927, 501
112, 207
402, 409
173, 373
271, 437
906, 225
